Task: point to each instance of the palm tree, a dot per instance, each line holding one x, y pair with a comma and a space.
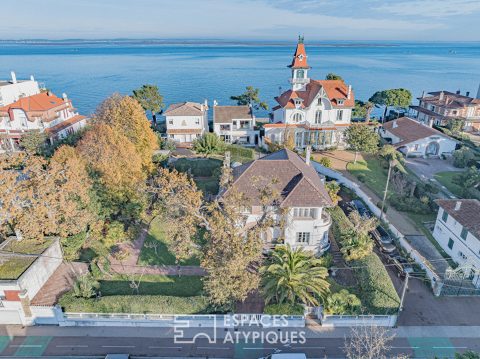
294, 275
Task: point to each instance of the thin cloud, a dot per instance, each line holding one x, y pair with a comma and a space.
432, 8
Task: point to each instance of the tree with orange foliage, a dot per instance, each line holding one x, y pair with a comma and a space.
126, 115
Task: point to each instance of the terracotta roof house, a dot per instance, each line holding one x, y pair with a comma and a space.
303, 198
42, 112
186, 121
457, 231
235, 124
439, 107
415, 139
316, 111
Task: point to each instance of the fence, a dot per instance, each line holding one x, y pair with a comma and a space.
416, 256
359, 320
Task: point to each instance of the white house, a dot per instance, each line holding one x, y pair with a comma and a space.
12, 90
235, 124
315, 112
42, 112
415, 139
457, 230
186, 121
302, 204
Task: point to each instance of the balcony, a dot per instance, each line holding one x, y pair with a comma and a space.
303, 81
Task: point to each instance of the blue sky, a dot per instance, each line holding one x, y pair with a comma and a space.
243, 19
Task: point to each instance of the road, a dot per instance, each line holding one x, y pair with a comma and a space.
318, 347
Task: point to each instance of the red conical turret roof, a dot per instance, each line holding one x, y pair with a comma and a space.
300, 57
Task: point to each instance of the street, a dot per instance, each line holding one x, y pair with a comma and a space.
330, 344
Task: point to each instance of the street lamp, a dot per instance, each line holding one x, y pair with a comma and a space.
391, 163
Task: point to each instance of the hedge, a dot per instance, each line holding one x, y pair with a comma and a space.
284, 309
199, 167
240, 154
341, 223
376, 288
135, 304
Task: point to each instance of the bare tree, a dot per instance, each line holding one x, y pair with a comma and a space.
153, 245
369, 342
135, 284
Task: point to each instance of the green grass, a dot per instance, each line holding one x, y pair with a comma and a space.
13, 267
163, 256
446, 179
370, 172
158, 304
183, 286
198, 167
208, 185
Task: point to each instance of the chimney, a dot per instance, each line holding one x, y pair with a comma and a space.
430, 122
442, 95
64, 96
215, 103
349, 93
467, 93
458, 204
32, 78
423, 94
205, 104
458, 92
308, 153
14, 77
394, 124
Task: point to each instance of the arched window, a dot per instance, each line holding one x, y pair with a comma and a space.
300, 74
297, 117
318, 116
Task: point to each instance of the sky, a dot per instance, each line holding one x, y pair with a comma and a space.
425, 20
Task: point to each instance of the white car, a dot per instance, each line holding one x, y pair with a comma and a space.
286, 356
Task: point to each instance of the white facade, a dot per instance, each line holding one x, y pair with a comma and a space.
186, 122
459, 243
240, 131
13, 89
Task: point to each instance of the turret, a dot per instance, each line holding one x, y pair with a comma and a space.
299, 67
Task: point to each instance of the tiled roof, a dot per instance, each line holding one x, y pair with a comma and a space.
449, 99
335, 90
185, 109
298, 183
62, 125
468, 215
299, 60
408, 130
225, 114
36, 105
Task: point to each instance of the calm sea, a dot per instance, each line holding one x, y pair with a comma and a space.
90, 71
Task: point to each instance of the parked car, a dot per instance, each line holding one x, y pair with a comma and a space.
402, 265
361, 208
383, 239
286, 356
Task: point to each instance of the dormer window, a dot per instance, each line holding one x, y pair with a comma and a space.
340, 102
300, 57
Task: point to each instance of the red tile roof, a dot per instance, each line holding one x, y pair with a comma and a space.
335, 90
408, 130
36, 105
299, 58
62, 125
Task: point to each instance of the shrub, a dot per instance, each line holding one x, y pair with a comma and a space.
410, 204
209, 144
72, 245
85, 286
343, 302
325, 162
240, 153
362, 177
376, 288
284, 309
462, 157
114, 234
135, 304
333, 188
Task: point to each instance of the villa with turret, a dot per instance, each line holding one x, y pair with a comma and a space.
315, 112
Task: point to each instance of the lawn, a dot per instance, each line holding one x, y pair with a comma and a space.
446, 179
13, 267
205, 172
163, 256
371, 172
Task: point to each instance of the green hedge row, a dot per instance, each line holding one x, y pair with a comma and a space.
135, 304
376, 288
340, 221
241, 152
198, 167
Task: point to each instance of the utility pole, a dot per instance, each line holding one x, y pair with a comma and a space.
404, 292
390, 165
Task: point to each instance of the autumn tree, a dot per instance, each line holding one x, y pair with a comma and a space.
125, 115
250, 97
34, 142
361, 138
393, 97
149, 97
117, 170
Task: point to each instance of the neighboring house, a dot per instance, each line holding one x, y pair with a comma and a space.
21, 279
315, 112
415, 139
235, 124
441, 106
42, 112
457, 231
12, 90
186, 121
303, 199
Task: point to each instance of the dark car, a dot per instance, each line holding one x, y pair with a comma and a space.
402, 265
361, 208
383, 239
